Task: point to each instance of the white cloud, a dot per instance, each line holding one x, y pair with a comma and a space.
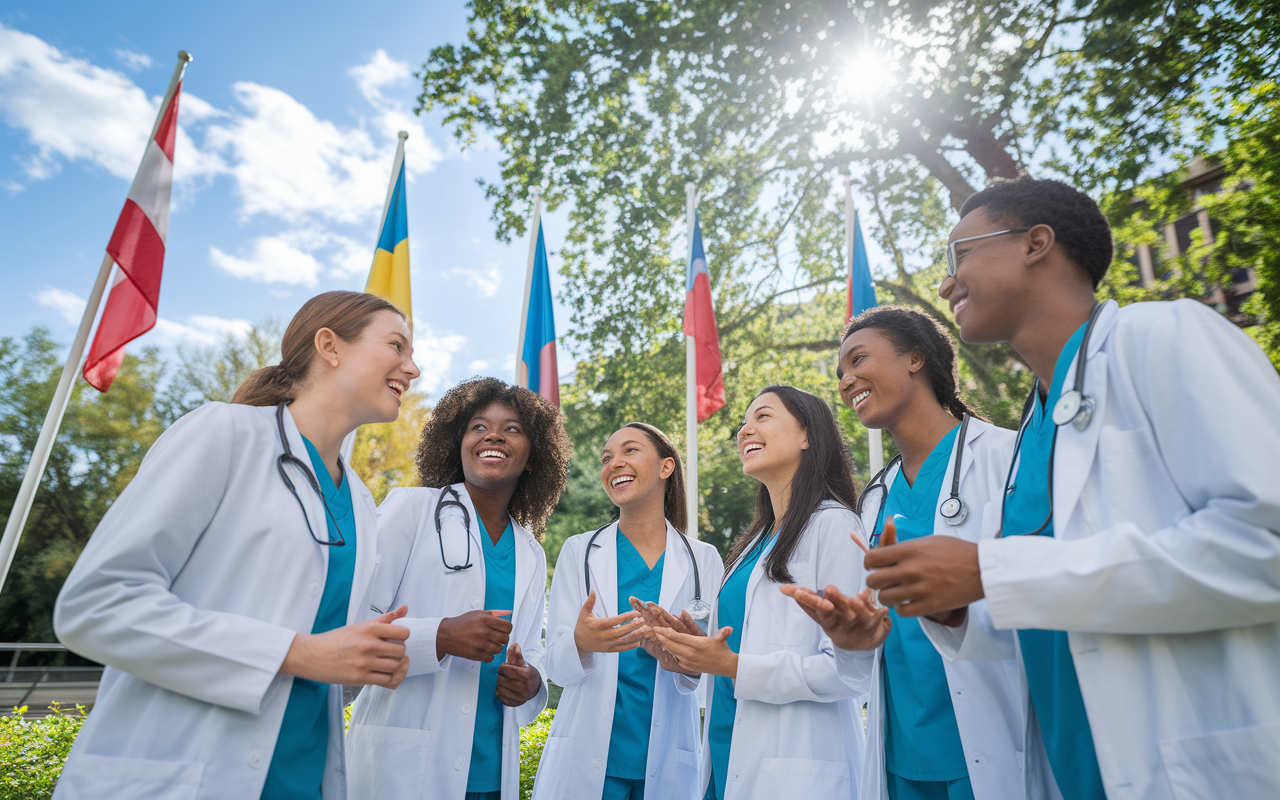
485, 281
478, 367
433, 352
297, 257
380, 71
132, 61
68, 304
200, 330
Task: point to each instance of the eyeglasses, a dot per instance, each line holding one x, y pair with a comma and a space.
953, 262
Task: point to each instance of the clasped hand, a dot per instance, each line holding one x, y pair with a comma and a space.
365, 654
692, 650
655, 616
481, 635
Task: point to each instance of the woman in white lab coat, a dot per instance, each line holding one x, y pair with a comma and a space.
227, 587
781, 720
627, 725
934, 728
462, 552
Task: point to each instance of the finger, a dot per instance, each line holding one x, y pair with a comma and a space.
514, 656
385, 630
623, 647
498, 613
393, 614
588, 608
859, 541
399, 675
691, 625
723, 633
613, 622
637, 604
889, 536
806, 598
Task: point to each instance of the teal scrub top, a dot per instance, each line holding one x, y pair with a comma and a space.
297, 764
499, 593
922, 740
724, 706
1046, 655
637, 670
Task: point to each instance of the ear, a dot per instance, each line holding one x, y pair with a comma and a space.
804, 443
915, 361
668, 467
1040, 240
327, 346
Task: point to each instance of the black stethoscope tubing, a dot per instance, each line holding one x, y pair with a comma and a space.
289, 458
1075, 407
441, 502
693, 562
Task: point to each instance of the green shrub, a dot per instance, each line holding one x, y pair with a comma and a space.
532, 739
32, 751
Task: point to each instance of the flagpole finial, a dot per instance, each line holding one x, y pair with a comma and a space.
183, 55
403, 134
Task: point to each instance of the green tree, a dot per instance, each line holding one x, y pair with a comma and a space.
213, 373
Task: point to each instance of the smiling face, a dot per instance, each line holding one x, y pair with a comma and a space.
876, 381
771, 440
375, 370
988, 291
495, 449
631, 469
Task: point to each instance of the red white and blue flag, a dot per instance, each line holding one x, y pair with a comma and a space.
700, 323
137, 247
537, 368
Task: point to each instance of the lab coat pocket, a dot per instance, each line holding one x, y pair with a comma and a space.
384, 761
801, 777
556, 771
686, 772
93, 776
1239, 763
1130, 475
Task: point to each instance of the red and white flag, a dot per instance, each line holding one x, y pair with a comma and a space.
137, 247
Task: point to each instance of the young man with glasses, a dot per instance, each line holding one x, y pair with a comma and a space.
1139, 553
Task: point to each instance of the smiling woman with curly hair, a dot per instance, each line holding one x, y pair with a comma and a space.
462, 552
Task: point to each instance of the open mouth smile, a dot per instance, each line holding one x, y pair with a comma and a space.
621, 480
398, 388
492, 455
860, 397
750, 448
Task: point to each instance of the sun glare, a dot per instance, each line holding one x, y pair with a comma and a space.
866, 75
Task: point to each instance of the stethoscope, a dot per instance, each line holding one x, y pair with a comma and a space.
699, 609
953, 509
1074, 406
289, 458
466, 526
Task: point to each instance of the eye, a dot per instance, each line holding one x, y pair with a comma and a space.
513, 429
858, 358
605, 460
397, 346
632, 449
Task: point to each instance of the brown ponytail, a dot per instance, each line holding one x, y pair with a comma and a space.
347, 314
675, 505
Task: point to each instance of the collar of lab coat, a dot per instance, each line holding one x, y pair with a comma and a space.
675, 568
757, 571
1073, 456
602, 562
456, 548
365, 519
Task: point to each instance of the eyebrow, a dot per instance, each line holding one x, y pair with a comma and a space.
483, 418
621, 444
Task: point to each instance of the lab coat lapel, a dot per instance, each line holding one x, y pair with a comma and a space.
455, 544
675, 568
366, 545
526, 562
757, 572
311, 501
1073, 457
603, 566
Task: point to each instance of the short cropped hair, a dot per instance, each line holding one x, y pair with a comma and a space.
1078, 224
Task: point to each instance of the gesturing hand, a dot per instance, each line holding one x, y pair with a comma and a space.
595, 634
701, 653
518, 683
853, 623
926, 576
365, 654
475, 635
655, 616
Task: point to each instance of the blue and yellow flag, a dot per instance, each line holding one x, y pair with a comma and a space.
389, 276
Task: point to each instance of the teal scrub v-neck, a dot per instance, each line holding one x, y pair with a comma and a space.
922, 740
637, 670
297, 764
499, 593
731, 611
1046, 655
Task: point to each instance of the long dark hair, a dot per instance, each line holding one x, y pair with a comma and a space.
347, 314
825, 473
675, 505
910, 329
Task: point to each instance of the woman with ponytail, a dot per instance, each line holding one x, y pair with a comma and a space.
627, 725
226, 589
935, 730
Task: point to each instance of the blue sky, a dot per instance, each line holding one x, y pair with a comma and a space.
287, 132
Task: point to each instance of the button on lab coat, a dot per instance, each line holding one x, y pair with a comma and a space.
797, 730
1165, 569
577, 750
191, 591
415, 741
988, 697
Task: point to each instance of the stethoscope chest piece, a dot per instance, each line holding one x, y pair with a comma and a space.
954, 511
1073, 407
700, 610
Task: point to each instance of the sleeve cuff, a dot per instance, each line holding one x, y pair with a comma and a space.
420, 647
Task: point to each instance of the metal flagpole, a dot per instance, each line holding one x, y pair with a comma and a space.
395, 176
691, 384
62, 395
522, 369
875, 442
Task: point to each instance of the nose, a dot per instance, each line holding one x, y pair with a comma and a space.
947, 286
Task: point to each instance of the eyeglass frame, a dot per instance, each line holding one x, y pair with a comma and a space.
953, 263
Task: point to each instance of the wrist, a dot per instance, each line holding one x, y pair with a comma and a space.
298, 656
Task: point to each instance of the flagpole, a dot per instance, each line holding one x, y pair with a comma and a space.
522, 369
875, 442
62, 395
395, 176
691, 382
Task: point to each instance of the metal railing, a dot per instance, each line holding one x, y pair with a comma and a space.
16, 676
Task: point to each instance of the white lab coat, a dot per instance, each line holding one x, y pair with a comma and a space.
191, 591
1165, 566
415, 741
577, 750
797, 730
988, 697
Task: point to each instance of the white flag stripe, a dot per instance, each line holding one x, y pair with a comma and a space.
152, 186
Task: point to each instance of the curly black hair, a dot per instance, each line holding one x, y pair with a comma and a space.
540, 485
1078, 224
